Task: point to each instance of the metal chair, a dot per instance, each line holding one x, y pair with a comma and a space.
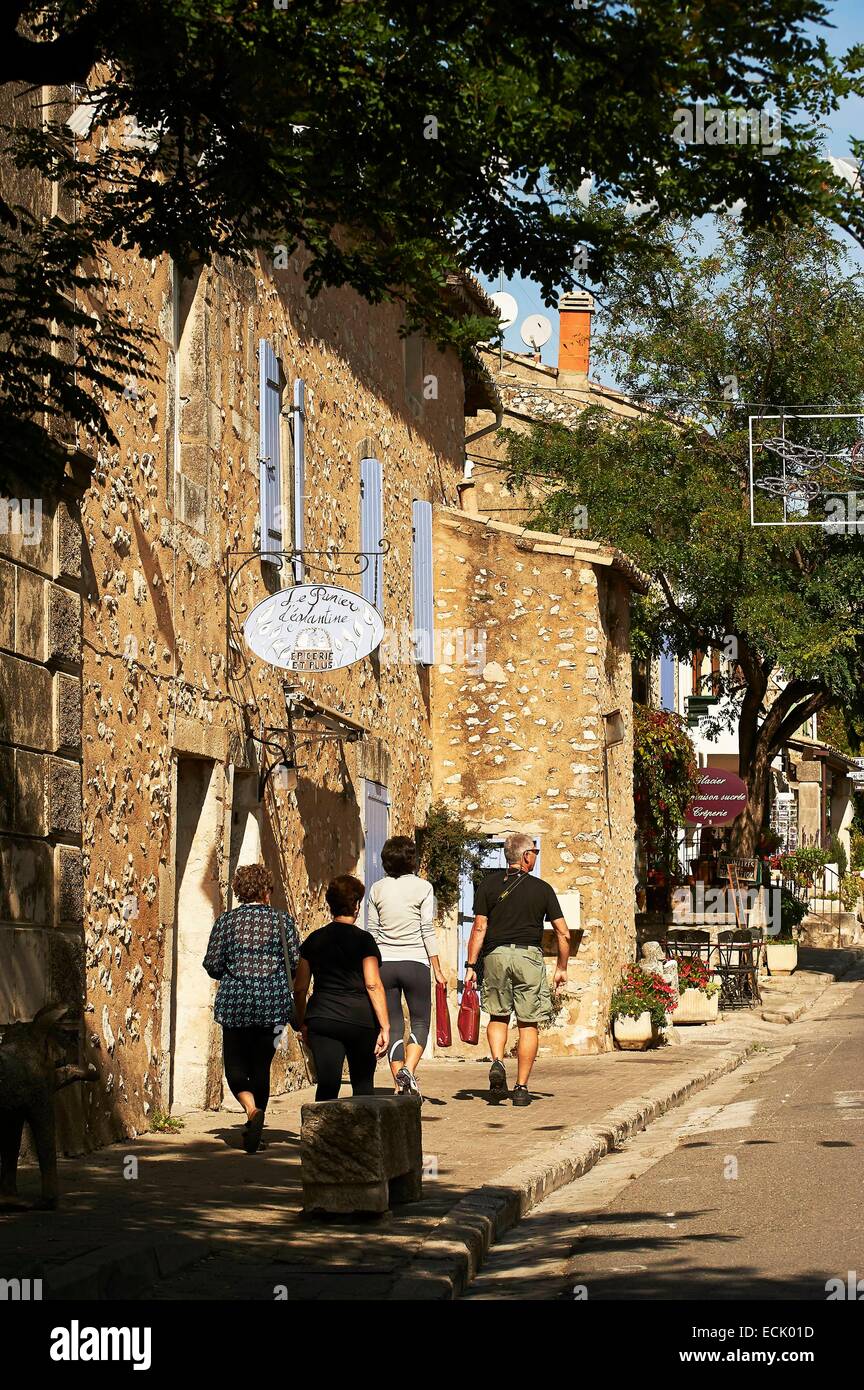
737, 966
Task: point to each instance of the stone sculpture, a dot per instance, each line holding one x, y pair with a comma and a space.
31, 1070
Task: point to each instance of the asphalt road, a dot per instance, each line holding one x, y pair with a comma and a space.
752, 1190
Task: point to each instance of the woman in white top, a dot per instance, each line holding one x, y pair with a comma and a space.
402, 921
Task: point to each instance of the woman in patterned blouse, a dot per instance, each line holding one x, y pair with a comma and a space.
247, 955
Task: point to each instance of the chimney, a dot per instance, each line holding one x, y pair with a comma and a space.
574, 350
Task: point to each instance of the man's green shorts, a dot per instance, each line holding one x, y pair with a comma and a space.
514, 981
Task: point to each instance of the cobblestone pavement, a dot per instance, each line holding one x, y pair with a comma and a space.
224, 1224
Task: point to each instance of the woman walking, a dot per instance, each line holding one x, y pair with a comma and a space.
402, 921
252, 952
347, 1014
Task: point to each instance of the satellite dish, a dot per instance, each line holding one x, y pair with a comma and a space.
507, 308
536, 330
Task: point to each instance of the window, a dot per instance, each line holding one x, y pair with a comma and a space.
421, 565
372, 531
667, 681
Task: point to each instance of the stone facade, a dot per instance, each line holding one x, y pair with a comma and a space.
541, 739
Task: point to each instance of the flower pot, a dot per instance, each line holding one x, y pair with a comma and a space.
634, 1034
782, 957
695, 1006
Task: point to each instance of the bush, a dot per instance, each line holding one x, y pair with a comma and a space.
792, 914
850, 891
856, 840
839, 856
804, 864
640, 990
448, 846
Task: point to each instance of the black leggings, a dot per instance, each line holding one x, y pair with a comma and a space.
330, 1043
414, 980
248, 1054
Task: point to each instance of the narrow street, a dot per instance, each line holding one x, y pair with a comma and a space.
733, 1196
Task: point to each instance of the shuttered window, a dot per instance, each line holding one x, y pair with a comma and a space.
269, 450
424, 619
299, 474
372, 531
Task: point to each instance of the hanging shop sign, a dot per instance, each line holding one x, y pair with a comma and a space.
720, 798
313, 627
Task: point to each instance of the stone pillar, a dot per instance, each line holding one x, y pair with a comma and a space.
41, 885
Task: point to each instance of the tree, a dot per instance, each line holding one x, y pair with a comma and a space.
779, 315
392, 142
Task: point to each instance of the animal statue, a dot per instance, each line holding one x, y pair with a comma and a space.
31, 1070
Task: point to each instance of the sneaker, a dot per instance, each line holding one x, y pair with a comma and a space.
497, 1081
521, 1095
407, 1083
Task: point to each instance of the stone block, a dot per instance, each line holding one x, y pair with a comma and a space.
64, 796
29, 812
25, 695
67, 711
361, 1153
7, 787
26, 531
65, 966
7, 604
64, 625
23, 973
25, 881
30, 615
67, 530
69, 877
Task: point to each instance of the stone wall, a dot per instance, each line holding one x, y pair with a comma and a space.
40, 751
521, 745
168, 682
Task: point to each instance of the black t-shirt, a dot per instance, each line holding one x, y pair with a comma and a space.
336, 954
519, 920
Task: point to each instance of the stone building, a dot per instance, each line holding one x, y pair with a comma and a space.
541, 738
145, 750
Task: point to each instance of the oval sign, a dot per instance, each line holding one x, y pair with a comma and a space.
313, 627
720, 798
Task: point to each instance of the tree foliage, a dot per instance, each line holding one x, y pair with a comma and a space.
392, 142
781, 313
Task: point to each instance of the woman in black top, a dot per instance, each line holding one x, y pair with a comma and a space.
347, 1014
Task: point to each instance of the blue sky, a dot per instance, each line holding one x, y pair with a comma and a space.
847, 16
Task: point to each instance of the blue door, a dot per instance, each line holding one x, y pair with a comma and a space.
377, 820
493, 858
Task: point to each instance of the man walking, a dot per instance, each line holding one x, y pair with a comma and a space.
510, 907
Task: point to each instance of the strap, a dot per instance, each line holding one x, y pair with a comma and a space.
505, 894
288, 971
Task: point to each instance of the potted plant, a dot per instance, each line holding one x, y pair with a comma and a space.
640, 1008
781, 951
698, 992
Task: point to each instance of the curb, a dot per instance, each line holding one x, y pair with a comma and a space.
452, 1254
121, 1272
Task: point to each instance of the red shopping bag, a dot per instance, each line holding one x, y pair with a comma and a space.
469, 1014
443, 1036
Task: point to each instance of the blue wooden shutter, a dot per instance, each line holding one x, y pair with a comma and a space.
377, 818
269, 453
372, 531
299, 474
424, 613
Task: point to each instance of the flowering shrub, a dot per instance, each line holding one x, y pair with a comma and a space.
640, 990
803, 865
693, 973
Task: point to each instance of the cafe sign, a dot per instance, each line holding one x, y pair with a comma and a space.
313, 627
720, 798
